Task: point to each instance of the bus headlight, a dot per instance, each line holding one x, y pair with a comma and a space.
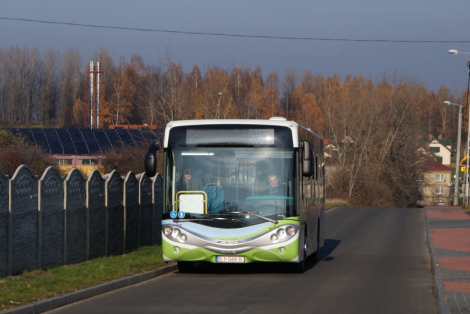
176, 233
274, 238
281, 233
183, 238
290, 231
167, 230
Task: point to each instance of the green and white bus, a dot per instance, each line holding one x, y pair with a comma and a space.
240, 191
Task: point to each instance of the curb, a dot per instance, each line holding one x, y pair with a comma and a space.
439, 291
331, 207
53, 303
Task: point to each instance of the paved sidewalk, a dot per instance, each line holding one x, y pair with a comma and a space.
449, 242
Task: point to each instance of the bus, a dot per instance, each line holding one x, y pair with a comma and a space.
240, 191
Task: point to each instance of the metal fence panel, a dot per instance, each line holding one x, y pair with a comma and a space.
23, 236
146, 209
55, 220
76, 217
131, 210
115, 209
51, 219
96, 215
158, 205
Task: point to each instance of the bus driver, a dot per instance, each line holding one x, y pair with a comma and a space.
274, 187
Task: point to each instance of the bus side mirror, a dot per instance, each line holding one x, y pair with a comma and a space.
151, 158
307, 160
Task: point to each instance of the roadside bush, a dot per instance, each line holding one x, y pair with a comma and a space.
16, 150
127, 158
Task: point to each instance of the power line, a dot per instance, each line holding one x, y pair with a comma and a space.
238, 35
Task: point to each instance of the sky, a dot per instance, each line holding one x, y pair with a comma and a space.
417, 20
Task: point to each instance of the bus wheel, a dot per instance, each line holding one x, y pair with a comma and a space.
300, 267
186, 267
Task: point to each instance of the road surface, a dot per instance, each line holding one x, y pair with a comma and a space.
375, 260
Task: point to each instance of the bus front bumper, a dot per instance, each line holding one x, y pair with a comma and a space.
287, 251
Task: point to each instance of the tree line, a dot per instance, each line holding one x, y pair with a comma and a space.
374, 123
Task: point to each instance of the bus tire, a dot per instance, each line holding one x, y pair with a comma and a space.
186, 267
300, 266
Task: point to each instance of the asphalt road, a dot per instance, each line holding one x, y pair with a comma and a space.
375, 260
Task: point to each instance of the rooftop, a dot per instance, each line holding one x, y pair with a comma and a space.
85, 141
431, 165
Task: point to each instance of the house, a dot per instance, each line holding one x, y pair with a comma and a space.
435, 184
329, 148
439, 149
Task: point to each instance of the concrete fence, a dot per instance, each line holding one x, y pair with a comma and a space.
53, 220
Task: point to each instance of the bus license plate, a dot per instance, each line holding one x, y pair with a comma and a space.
229, 259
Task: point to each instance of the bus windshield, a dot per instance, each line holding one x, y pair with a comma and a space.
231, 187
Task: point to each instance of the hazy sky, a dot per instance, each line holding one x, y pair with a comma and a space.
361, 19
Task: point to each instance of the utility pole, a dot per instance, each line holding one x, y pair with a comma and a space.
455, 52
218, 106
457, 156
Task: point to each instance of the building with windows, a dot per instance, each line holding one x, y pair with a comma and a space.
439, 149
435, 184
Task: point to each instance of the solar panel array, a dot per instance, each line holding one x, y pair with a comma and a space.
86, 141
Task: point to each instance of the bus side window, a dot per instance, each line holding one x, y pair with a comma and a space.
306, 197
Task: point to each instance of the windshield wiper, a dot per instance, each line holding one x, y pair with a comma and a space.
254, 214
196, 219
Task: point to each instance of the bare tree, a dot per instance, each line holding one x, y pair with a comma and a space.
210, 105
373, 126
272, 99
49, 98
240, 84
307, 80
289, 82
71, 77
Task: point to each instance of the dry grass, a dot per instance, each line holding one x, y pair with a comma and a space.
336, 202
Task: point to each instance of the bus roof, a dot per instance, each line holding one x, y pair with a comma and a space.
276, 121
230, 121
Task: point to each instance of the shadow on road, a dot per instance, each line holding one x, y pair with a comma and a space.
328, 247
251, 268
